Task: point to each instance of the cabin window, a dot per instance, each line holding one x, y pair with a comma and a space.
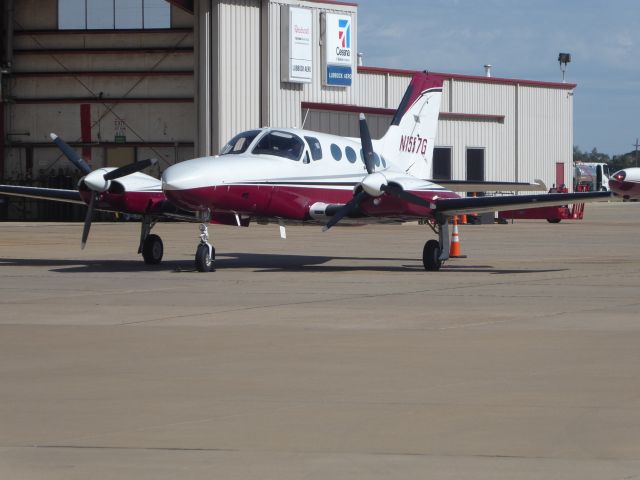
280, 144
376, 158
314, 147
336, 153
350, 154
239, 143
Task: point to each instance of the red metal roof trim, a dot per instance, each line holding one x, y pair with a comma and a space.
333, 107
472, 78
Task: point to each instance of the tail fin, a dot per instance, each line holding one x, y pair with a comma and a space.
409, 141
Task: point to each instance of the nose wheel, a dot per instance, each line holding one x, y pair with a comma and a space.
205, 253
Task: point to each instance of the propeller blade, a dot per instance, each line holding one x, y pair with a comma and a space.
87, 220
71, 154
399, 192
348, 208
367, 145
129, 169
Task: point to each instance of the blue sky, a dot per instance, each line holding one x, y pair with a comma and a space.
522, 39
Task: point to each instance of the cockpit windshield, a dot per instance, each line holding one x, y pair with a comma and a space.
280, 144
239, 143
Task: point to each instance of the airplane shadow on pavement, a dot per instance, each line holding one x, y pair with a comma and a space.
261, 263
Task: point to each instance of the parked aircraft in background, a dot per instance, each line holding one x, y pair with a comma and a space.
626, 183
298, 176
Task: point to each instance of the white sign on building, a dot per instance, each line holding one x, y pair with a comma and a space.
296, 45
338, 52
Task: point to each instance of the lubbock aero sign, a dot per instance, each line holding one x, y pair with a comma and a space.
338, 50
296, 45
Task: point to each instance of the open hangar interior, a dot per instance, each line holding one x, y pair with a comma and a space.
181, 83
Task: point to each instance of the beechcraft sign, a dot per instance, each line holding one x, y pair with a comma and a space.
338, 49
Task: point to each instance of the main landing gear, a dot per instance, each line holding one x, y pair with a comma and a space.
151, 246
435, 252
205, 253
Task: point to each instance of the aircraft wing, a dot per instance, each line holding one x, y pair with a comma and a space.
56, 194
458, 206
476, 186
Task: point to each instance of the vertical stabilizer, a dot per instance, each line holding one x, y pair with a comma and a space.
409, 141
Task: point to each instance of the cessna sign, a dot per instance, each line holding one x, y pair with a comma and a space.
338, 49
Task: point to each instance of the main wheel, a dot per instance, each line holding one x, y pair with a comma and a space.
431, 256
553, 220
204, 261
152, 250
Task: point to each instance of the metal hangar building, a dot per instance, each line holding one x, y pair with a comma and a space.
126, 80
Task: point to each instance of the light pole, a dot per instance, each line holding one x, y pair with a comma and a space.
637, 145
563, 60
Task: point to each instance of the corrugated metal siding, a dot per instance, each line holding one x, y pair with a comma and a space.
545, 120
285, 98
497, 138
238, 72
344, 123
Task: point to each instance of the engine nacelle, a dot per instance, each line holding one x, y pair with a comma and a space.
323, 211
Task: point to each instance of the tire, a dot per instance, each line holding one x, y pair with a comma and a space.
204, 262
553, 220
152, 250
431, 256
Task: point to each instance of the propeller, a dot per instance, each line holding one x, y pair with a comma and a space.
87, 220
374, 184
129, 169
96, 180
71, 154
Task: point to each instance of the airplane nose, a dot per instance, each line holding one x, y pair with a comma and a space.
185, 184
179, 177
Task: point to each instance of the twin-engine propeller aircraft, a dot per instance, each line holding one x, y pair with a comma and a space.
626, 183
299, 176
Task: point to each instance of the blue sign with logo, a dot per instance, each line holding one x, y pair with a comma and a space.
339, 75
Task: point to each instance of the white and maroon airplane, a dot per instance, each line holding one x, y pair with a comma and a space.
626, 183
298, 176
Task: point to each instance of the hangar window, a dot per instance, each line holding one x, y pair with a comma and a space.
336, 153
280, 144
239, 143
113, 14
351, 154
315, 147
441, 163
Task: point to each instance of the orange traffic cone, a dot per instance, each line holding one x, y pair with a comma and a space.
454, 248
463, 219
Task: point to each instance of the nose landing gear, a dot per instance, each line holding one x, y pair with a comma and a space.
205, 253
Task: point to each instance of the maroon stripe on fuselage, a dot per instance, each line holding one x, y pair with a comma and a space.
291, 202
